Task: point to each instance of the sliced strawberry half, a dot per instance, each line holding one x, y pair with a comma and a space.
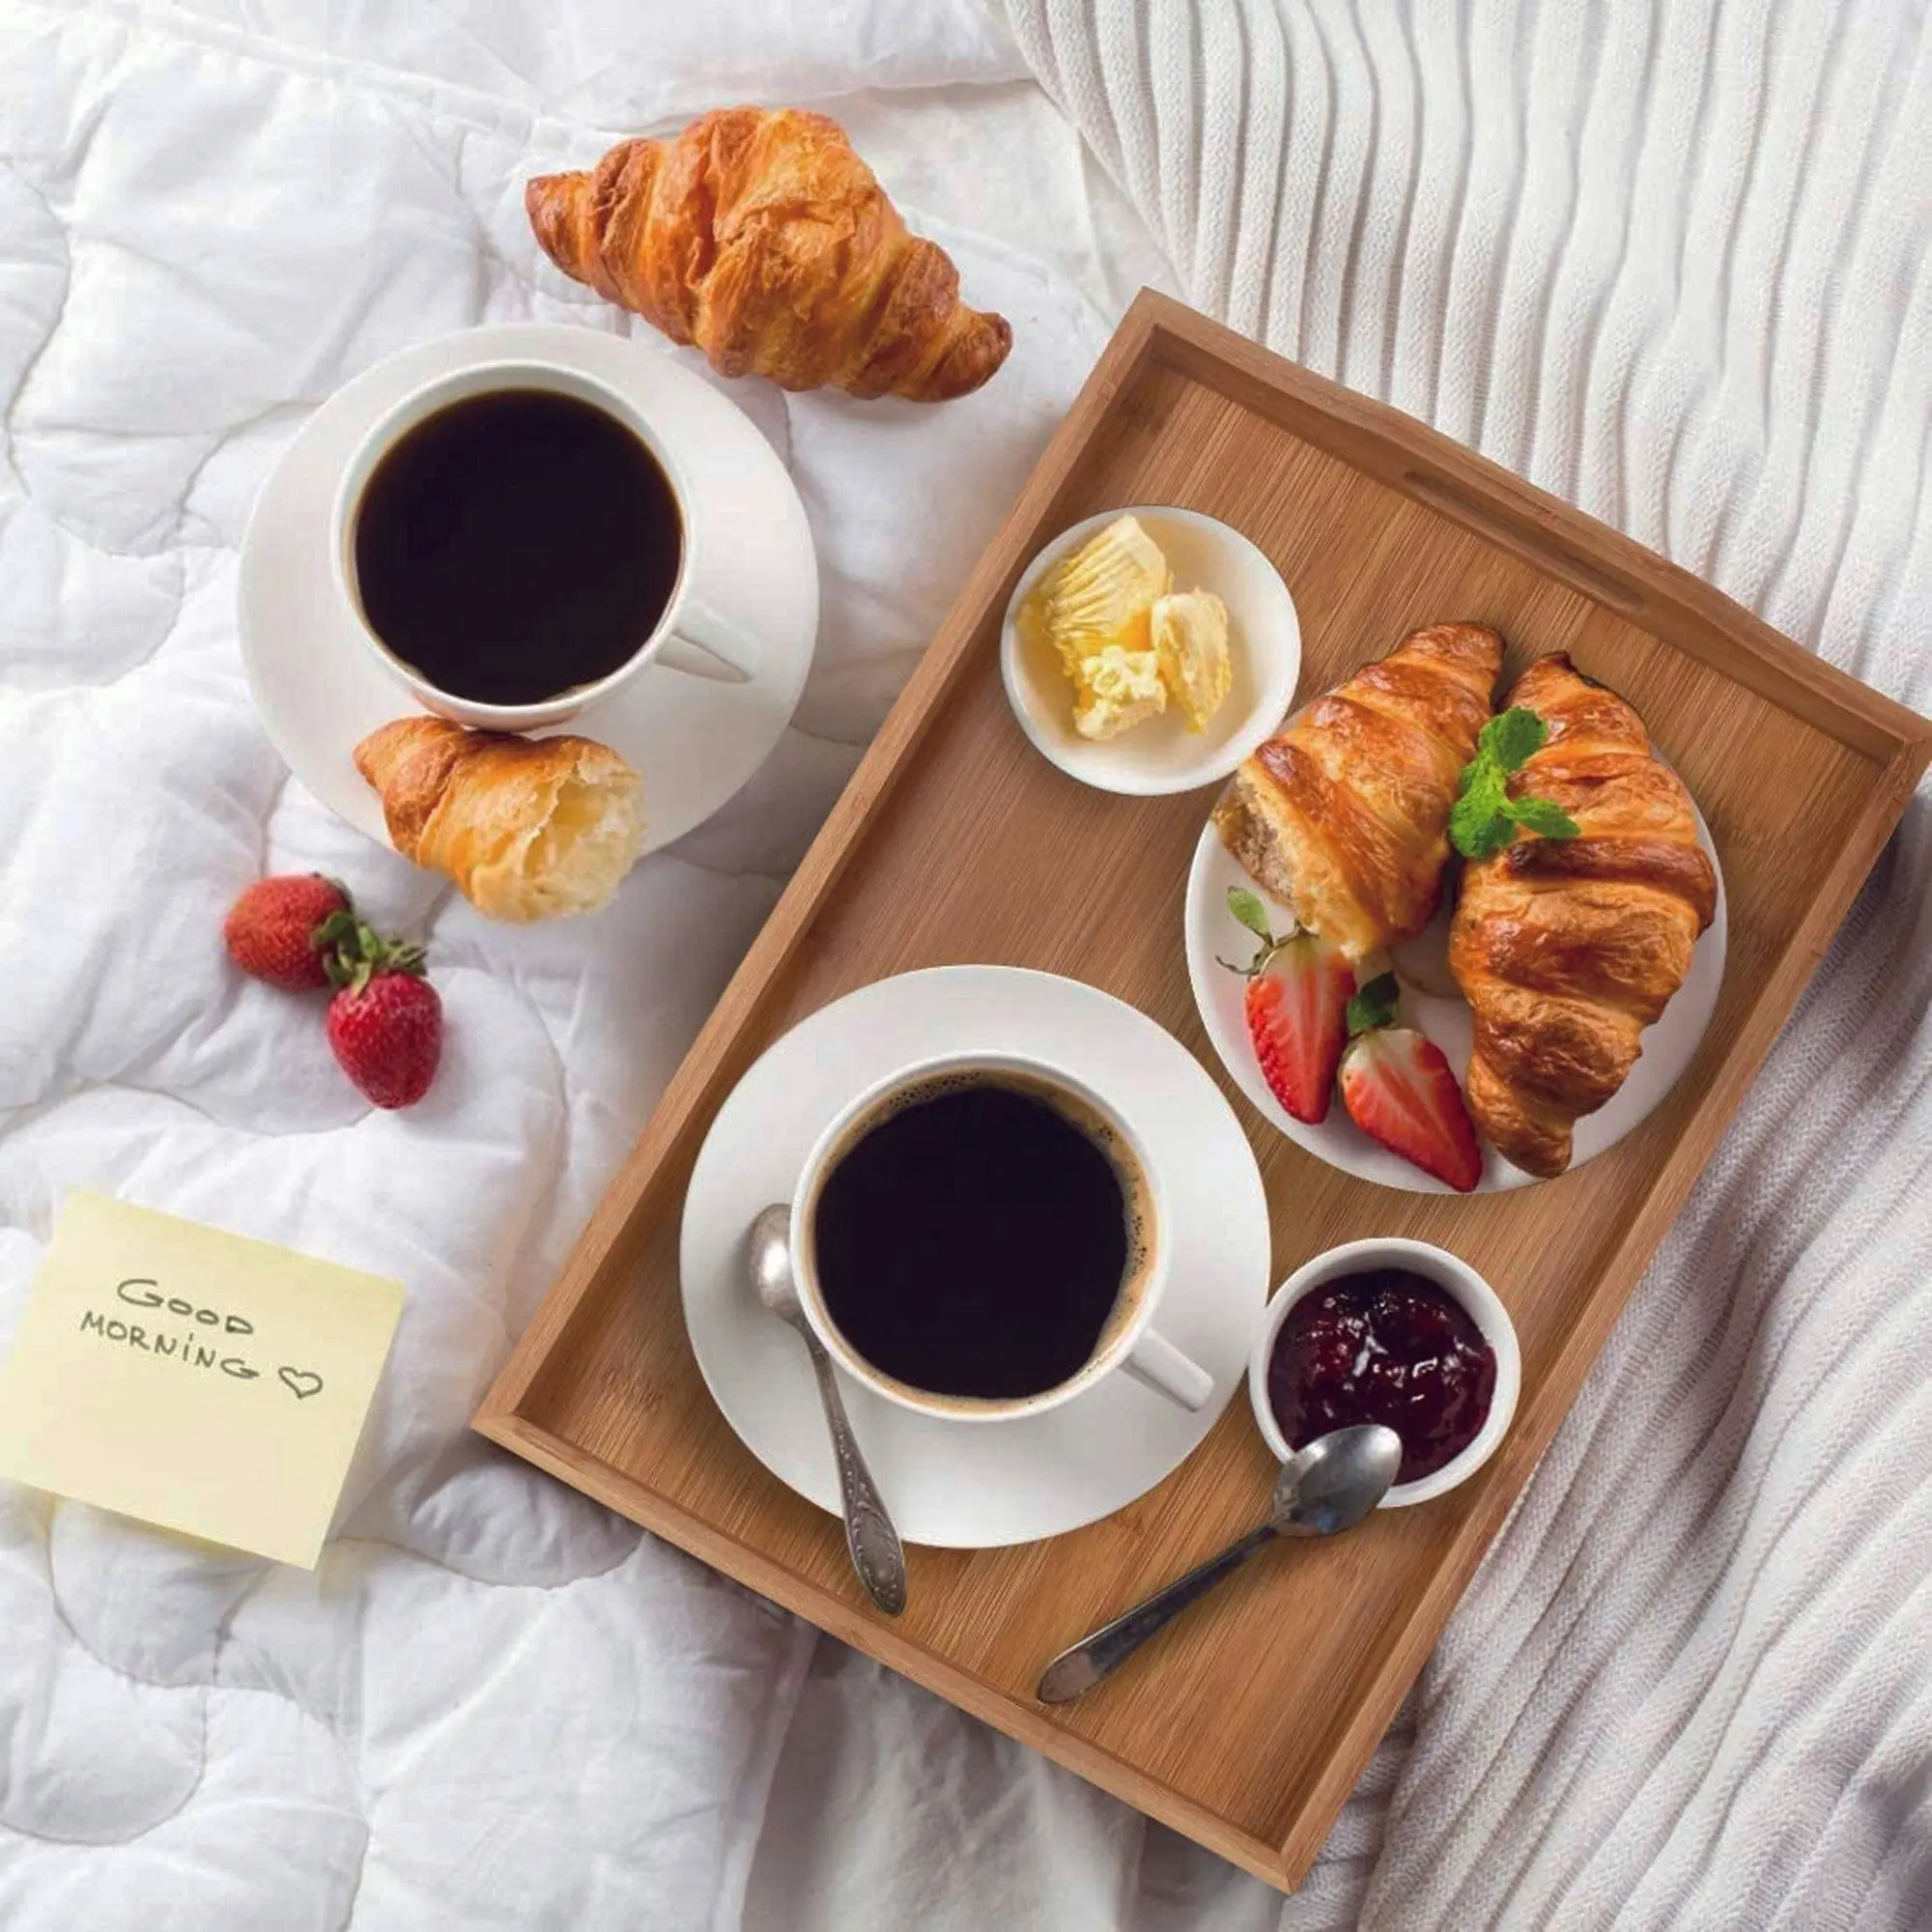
1399, 1089
1298, 1007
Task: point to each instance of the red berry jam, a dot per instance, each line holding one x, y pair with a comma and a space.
1387, 1346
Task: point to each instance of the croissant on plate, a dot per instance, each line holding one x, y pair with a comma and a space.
1567, 949
526, 827
758, 235
1343, 816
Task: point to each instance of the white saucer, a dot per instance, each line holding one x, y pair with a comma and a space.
693, 742
1163, 756
1668, 1047
976, 1485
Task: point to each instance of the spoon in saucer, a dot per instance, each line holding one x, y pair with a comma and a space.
877, 1557
1328, 1486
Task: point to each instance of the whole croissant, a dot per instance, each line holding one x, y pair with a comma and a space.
526, 827
758, 235
1566, 949
1344, 817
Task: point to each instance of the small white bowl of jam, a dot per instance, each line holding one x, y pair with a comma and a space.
1392, 1332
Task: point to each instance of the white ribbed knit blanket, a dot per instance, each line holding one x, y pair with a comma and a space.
1669, 260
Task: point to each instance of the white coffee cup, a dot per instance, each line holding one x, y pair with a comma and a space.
1129, 1343
688, 637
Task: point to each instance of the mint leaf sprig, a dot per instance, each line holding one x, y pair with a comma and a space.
1485, 817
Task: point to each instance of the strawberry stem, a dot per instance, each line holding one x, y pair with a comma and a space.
1374, 1006
317, 940
359, 953
1248, 910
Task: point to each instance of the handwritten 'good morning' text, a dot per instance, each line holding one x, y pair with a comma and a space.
185, 1346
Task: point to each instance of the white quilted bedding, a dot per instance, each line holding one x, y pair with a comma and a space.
494, 1703
1695, 1695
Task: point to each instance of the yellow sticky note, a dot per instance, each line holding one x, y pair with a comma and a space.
195, 1380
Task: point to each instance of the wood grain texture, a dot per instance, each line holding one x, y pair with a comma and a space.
1247, 1723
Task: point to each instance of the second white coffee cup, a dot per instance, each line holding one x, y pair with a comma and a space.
1128, 1343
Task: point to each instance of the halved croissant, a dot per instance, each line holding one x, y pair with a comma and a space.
1344, 817
1566, 949
758, 235
526, 827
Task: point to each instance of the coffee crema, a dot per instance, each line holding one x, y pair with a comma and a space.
517, 545
980, 1234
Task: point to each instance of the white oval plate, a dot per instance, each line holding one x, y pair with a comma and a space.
1669, 1046
977, 1485
1163, 756
320, 690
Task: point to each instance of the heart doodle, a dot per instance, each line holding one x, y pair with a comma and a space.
301, 1382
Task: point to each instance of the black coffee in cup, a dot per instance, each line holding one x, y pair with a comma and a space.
517, 545
980, 1235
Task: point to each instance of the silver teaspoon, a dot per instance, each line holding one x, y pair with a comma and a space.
876, 1555
1329, 1486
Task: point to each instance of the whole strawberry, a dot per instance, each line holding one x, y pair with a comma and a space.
274, 929
385, 1020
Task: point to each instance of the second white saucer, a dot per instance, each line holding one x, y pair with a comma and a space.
976, 1485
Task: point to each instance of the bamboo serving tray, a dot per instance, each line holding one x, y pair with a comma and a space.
955, 842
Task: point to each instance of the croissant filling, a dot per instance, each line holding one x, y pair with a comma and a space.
574, 857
